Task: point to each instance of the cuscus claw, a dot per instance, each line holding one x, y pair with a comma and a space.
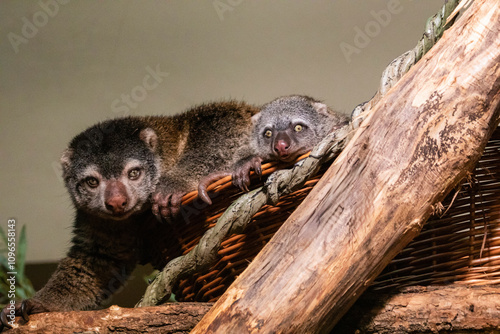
241, 173
257, 166
166, 205
4, 322
25, 310
175, 204
205, 182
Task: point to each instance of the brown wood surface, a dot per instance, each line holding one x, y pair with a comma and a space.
459, 309
450, 309
170, 318
419, 141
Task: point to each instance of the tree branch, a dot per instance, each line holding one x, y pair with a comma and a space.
452, 309
170, 318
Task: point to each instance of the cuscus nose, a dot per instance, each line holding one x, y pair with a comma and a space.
115, 197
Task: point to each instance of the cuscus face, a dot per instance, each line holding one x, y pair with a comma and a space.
111, 169
291, 126
286, 139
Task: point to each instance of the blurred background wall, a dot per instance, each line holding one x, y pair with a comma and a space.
67, 64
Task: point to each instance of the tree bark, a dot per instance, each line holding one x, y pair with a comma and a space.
170, 318
415, 310
418, 142
452, 309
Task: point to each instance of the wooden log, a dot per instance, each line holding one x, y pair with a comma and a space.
419, 141
169, 318
450, 309
418, 309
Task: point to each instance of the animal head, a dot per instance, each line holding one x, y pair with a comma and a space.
111, 169
291, 126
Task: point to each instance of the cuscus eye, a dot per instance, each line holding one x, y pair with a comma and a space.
298, 128
268, 134
92, 182
134, 173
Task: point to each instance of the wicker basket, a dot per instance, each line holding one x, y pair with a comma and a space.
463, 246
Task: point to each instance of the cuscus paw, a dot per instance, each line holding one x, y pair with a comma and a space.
23, 309
166, 205
241, 172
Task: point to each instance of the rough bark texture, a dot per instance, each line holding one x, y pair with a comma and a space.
452, 309
417, 143
455, 309
170, 318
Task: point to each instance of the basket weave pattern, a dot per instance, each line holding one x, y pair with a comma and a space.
463, 246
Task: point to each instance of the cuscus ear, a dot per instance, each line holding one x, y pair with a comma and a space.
321, 108
66, 160
256, 118
149, 137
